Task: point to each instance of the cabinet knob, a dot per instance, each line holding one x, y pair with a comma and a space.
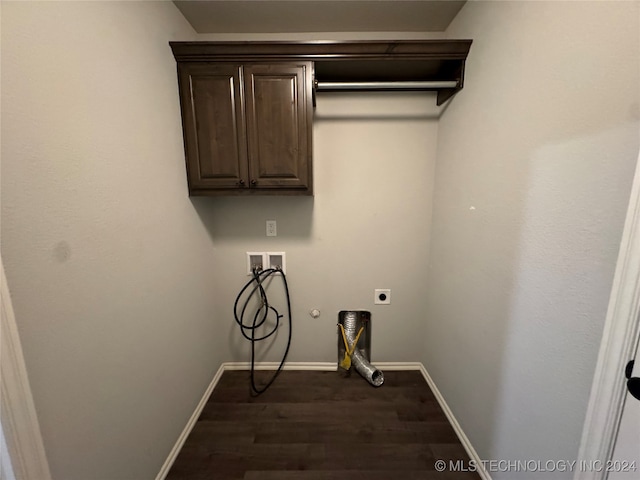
253, 182
241, 183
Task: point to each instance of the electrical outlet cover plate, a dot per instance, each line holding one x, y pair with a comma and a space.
272, 228
382, 296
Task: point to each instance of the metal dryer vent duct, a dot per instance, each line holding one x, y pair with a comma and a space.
352, 321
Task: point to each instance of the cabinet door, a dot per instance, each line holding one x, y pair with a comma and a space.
213, 124
278, 110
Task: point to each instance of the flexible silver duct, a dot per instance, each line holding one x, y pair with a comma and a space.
374, 376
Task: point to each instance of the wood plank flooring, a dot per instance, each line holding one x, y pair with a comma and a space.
320, 426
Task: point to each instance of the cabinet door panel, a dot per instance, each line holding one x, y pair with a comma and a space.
278, 109
213, 122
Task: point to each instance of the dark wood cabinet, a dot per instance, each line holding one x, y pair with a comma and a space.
247, 107
278, 125
247, 127
214, 126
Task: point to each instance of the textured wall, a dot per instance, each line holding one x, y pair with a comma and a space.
123, 286
534, 166
109, 265
366, 227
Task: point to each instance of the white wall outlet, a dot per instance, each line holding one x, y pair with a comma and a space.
272, 228
277, 260
256, 260
382, 296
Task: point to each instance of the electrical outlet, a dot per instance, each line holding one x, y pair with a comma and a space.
272, 228
256, 260
277, 260
382, 296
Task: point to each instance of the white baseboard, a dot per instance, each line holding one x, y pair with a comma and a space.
466, 443
319, 366
173, 454
325, 367
398, 366
316, 366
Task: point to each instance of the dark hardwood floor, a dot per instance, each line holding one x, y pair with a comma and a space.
321, 426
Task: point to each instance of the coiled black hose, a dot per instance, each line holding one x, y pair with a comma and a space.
260, 317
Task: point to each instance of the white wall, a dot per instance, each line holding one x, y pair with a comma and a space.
109, 265
366, 227
123, 286
534, 166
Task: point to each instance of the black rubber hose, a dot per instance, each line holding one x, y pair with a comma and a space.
260, 317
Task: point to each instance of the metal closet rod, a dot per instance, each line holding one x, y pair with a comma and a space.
386, 85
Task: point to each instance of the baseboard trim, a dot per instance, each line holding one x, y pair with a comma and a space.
466, 443
398, 366
173, 454
325, 367
316, 366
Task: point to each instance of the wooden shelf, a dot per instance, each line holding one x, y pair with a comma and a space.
344, 61
247, 107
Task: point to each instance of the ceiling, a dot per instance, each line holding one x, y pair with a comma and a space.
288, 16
